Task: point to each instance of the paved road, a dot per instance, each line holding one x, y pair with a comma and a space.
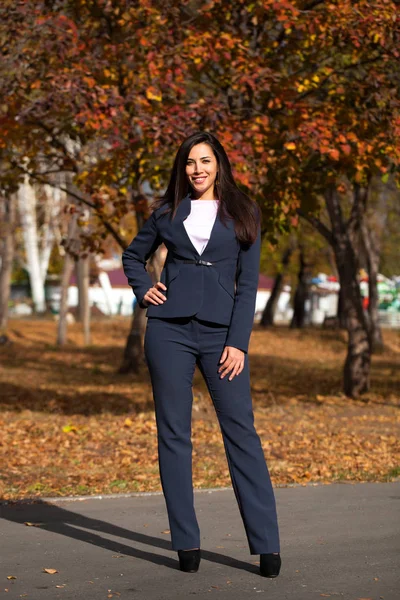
338, 541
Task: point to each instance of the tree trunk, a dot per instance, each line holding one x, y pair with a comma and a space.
7, 255
357, 364
372, 229
340, 310
373, 302
301, 294
133, 353
52, 214
27, 210
83, 296
267, 319
68, 268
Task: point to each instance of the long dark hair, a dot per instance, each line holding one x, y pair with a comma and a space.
233, 204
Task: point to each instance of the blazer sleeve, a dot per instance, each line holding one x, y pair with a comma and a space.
134, 258
242, 318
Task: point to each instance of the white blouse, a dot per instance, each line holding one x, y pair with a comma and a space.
200, 222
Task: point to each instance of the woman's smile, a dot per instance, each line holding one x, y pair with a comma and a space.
199, 180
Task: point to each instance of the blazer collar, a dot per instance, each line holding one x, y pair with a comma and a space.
184, 208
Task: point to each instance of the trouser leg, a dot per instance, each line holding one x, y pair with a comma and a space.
171, 359
248, 469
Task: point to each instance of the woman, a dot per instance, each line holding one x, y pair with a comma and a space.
201, 312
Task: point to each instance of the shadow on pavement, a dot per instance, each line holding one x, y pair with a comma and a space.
65, 522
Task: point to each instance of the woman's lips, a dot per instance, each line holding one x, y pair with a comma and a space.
199, 180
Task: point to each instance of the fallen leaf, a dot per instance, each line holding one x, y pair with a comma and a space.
11, 577
69, 429
333, 440
50, 571
166, 531
29, 524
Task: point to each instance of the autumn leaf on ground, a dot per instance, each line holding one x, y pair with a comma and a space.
11, 577
50, 571
166, 531
86, 432
69, 428
29, 524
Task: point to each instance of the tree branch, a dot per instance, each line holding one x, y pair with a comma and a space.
317, 224
103, 220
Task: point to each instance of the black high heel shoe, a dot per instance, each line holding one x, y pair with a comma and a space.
270, 565
189, 560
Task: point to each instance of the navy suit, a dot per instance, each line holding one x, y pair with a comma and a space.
223, 293
207, 307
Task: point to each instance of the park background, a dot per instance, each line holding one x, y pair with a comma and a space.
95, 97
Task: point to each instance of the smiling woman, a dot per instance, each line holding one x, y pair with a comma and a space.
201, 313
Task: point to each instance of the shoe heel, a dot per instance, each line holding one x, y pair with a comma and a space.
189, 560
270, 565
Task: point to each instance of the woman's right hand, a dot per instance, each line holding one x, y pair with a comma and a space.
154, 296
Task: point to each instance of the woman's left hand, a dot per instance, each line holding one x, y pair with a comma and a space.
233, 360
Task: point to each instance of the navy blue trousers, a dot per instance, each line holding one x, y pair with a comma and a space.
173, 347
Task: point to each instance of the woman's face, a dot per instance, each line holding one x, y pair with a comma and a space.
201, 171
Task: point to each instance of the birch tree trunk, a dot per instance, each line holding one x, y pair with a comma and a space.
8, 213
27, 209
54, 198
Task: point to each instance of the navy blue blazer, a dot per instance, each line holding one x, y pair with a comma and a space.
224, 292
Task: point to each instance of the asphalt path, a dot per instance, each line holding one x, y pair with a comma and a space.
337, 541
